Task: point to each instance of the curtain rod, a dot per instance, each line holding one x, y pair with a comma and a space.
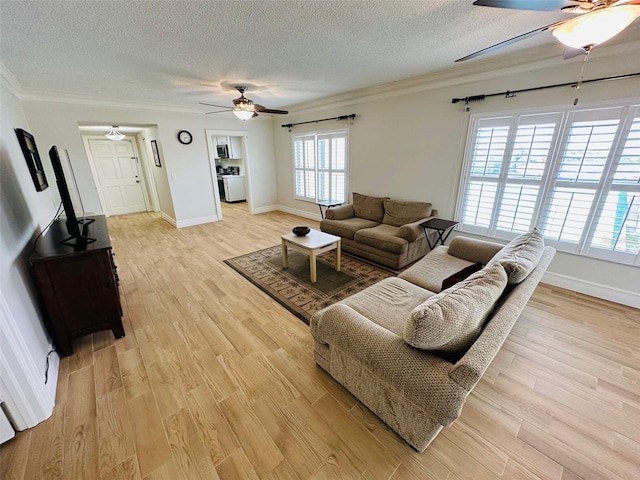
512, 93
341, 117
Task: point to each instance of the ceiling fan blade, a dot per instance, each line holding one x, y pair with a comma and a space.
510, 41
538, 5
214, 105
261, 109
219, 111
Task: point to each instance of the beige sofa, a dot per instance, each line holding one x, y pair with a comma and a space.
412, 351
380, 229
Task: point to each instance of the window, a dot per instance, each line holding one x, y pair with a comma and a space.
320, 166
573, 174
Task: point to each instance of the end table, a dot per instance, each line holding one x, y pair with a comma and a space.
443, 227
328, 204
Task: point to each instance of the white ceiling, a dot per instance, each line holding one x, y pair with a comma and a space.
286, 51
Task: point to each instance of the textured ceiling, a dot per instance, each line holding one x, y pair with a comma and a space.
287, 51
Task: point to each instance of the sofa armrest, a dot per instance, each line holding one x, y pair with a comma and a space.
340, 213
473, 250
419, 375
411, 231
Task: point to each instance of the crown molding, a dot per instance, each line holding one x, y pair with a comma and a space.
9, 80
104, 102
499, 67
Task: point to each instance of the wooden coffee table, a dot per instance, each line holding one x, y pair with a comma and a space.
312, 244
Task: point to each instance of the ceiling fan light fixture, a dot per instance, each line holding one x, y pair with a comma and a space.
594, 28
114, 134
243, 113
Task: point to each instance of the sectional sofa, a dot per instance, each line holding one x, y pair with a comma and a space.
412, 347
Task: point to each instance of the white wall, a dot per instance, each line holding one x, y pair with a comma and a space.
24, 212
186, 166
159, 174
261, 165
409, 144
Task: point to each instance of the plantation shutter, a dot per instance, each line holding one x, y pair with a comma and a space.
488, 150
573, 174
304, 159
320, 166
617, 230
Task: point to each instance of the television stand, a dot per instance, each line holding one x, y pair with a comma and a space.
84, 238
77, 284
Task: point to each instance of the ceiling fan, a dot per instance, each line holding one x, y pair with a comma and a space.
243, 108
596, 22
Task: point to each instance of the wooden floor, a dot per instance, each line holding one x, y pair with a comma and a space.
216, 380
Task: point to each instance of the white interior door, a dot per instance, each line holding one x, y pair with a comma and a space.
118, 175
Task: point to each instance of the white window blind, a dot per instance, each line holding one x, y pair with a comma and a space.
574, 175
320, 166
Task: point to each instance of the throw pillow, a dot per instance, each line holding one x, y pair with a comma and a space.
398, 213
521, 255
452, 320
461, 275
371, 208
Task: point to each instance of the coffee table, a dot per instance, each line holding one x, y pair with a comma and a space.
312, 244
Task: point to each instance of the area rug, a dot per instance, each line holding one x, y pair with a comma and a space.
292, 287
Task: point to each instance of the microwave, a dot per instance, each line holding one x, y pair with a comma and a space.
223, 151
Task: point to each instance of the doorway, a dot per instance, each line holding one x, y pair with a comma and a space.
236, 165
118, 175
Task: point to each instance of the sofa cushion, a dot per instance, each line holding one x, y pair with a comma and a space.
452, 320
346, 228
460, 275
388, 303
400, 213
430, 271
521, 255
371, 208
383, 237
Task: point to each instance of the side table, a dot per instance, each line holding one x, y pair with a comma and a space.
328, 204
443, 227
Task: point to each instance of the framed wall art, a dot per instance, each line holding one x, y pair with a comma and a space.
30, 152
156, 154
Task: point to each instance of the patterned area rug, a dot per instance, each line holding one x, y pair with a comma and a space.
292, 287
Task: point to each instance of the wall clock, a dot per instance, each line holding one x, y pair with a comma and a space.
184, 137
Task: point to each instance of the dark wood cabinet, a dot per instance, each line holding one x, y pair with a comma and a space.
77, 284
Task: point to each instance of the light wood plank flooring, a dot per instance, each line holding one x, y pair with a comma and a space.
216, 380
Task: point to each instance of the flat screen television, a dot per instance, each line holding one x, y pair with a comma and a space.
77, 236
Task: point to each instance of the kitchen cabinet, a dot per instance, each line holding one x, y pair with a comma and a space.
234, 144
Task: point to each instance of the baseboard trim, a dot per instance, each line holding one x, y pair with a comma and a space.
168, 219
624, 297
300, 213
265, 209
196, 221
28, 399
